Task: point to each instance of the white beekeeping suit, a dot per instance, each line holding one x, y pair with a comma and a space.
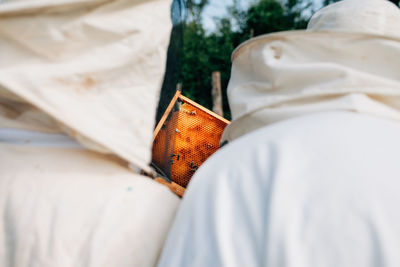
310, 176
79, 85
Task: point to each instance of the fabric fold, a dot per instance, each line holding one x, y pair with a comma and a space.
94, 67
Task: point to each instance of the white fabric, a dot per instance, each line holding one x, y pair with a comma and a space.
92, 69
364, 16
312, 191
32, 138
93, 66
344, 61
317, 184
64, 207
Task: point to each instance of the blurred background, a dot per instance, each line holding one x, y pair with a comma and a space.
207, 31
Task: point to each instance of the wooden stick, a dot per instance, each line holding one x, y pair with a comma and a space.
175, 188
166, 113
198, 106
216, 93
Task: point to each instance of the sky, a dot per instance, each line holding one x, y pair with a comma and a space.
217, 8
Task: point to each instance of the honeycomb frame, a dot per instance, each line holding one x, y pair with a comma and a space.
185, 137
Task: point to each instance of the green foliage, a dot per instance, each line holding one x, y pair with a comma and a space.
267, 16
205, 53
195, 72
271, 16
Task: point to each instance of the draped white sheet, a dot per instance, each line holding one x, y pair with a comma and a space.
91, 69
94, 66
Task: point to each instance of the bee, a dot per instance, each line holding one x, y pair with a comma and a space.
193, 167
178, 156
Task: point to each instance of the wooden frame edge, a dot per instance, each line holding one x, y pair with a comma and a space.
209, 112
166, 114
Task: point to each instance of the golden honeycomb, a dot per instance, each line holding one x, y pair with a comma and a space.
189, 135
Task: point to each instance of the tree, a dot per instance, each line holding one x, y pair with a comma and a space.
205, 53
268, 16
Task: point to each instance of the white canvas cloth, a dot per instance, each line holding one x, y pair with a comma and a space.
344, 61
95, 67
91, 69
311, 191
34, 138
63, 207
311, 175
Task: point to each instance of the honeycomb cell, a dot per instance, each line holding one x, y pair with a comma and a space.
188, 137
